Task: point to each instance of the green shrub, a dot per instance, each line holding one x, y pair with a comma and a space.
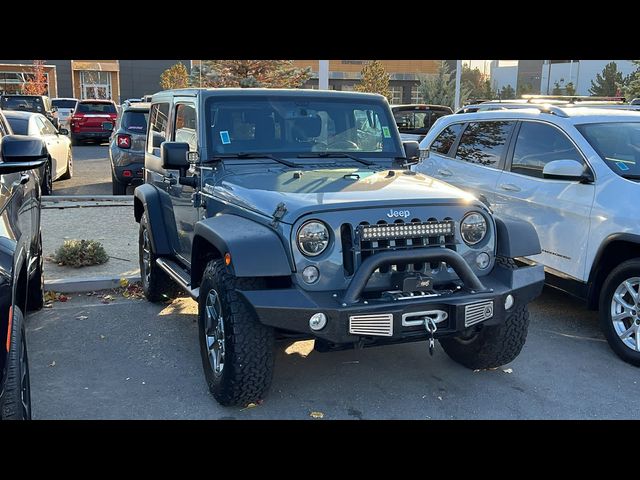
81, 253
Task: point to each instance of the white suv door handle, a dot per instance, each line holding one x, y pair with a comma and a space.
510, 187
445, 172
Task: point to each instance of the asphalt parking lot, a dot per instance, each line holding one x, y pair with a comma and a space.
91, 172
134, 360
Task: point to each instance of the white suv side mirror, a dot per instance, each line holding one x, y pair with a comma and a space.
564, 170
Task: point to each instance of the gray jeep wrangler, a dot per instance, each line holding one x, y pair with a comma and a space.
292, 214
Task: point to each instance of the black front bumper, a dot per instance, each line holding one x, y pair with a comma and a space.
290, 309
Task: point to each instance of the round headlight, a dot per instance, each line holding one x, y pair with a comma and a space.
313, 238
473, 228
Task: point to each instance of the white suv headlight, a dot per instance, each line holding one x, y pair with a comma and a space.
473, 228
313, 238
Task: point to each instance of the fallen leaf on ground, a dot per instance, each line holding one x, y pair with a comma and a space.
81, 317
102, 337
62, 298
124, 282
440, 398
48, 305
251, 405
107, 298
316, 415
508, 370
52, 364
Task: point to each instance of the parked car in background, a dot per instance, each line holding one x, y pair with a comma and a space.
415, 120
60, 154
21, 264
93, 120
574, 173
126, 149
31, 103
65, 107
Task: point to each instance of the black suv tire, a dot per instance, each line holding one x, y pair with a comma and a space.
156, 284
15, 402
247, 345
624, 271
117, 187
491, 346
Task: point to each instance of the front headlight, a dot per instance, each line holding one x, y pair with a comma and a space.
473, 228
313, 238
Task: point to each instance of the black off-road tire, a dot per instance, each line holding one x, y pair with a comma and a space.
626, 270
69, 173
249, 345
16, 370
491, 346
46, 185
117, 187
35, 289
506, 262
159, 286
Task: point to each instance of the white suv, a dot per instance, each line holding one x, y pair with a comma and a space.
574, 173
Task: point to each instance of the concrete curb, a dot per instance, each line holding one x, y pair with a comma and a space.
86, 284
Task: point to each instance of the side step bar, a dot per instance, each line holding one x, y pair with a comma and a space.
179, 275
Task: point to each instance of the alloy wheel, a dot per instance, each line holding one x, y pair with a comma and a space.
146, 257
625, 312
214, 332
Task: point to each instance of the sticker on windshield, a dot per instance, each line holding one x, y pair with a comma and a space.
224, 137
622, 166
386, 132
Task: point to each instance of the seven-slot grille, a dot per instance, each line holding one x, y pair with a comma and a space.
378, 324
478, 312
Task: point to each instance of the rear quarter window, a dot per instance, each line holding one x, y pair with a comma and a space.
443, 142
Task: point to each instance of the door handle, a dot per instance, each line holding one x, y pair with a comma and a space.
510, 187
444, 172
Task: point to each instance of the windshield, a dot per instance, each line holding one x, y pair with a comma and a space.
135, 122
100, 107
64, 103
417, 121
299, 125
618, 143
20, 126
30, 104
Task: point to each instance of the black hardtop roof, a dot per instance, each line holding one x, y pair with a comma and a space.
266, 92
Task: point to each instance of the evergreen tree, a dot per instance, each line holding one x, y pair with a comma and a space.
175, 76
557, 90
507, 93
440, 89
607, 83
570, 89
249, 73
374, 79
632, 89
472, 80
524, 89
487, 90
36, 85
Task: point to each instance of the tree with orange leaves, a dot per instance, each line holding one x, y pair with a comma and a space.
249, 73
36, 85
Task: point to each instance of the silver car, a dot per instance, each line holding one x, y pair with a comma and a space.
127, 145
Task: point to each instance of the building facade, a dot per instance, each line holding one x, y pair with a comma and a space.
116, 80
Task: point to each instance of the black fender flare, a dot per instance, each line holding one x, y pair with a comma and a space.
516, 238
256, 250
147, 198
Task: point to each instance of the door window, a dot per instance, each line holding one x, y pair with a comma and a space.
185, 125
158, 121
538, 144
41, 127
484, 143
442, 144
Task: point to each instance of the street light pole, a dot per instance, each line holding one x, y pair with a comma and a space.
323, 74
458, 77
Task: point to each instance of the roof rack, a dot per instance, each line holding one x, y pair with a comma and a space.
574, 98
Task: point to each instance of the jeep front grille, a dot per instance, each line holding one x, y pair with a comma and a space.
478, 312
378, 324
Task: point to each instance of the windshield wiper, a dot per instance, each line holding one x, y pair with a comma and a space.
336, 155
631, 177
222, 156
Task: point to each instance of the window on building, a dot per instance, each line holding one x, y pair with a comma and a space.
484, 142
185, 126
538, 144
443, 142
347, 88
95, 84
416, 96
13, 82
396, 94
158, 119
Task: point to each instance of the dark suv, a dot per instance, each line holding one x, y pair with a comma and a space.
21, 272
126, 149
31, 103
291, 214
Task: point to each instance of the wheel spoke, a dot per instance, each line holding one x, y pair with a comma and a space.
629, 331
618, 299
631, 290
619, 316
637, 339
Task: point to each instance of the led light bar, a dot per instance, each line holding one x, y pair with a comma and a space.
392, 231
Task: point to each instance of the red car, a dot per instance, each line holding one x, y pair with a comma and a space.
93, 120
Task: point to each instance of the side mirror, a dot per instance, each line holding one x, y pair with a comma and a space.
411, 151
54, 109
19, 153
63, 131
174, 156
565, 170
